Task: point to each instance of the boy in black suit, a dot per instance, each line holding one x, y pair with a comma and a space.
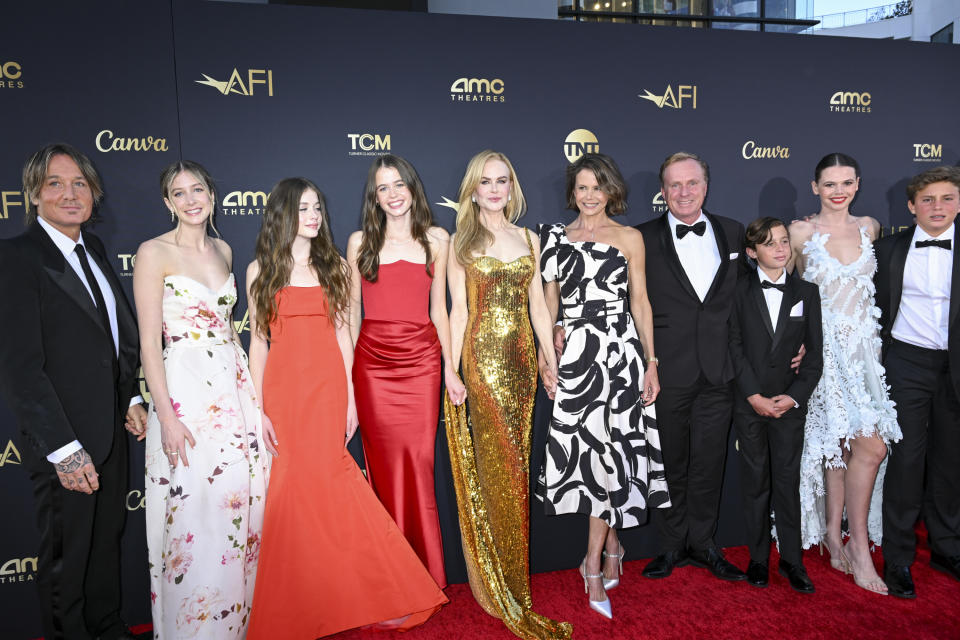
773, 314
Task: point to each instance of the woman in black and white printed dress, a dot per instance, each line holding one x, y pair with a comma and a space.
603, 451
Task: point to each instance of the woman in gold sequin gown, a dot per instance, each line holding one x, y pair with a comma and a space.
493, 279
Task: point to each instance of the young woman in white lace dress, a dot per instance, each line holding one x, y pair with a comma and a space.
850, 418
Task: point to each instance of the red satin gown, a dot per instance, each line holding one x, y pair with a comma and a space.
332, 558
396, 382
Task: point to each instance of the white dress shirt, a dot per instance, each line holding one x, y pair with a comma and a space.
68, 248
699, 255
773, 297
924, 313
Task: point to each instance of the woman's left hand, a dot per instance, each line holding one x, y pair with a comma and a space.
548, 373
651, 385
352, 420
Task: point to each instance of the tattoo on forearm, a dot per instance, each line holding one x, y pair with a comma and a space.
73, 462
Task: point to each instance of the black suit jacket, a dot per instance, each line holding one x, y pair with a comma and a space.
691, 336
761, 356
891, 252
56, 359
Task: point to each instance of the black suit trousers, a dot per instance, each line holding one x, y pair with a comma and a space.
694, 425
769, 452
929, 415
78, 569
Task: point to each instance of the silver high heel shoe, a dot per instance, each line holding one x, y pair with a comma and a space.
600, 606
610, 583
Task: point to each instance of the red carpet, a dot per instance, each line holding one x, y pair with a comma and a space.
691, 603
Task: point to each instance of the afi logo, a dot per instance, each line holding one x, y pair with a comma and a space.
10, 454
671, 98
10, 199
236, 85
369, 141
927, 152
243, 324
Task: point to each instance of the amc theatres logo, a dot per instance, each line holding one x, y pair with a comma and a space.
368, 144
684, 96
235, 83
752, 151
923, 152
850, 102
18, 570
10, 201
244, 203
579, 142
11, 75
477, 90
10, 455
657, 205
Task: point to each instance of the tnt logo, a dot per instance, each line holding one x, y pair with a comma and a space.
235, 84
367, 144
10, 454
11, 75
10, 200
923, 152
579, 142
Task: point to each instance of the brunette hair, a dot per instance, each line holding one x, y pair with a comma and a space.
759, 230
835, 160
608, 176
35, 172
471, 235
942, 173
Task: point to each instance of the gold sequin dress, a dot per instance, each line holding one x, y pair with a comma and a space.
491, 461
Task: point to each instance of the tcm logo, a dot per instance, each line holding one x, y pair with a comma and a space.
11, 75
244, 203
10, 454
657, 205
752, 151
18, 570
368, 144
671, 98
579, 142
477, 90
850, 102
107, 142
127, 262
235, 84
927, 152
12, 200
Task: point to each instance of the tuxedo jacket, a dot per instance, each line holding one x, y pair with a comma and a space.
56, 358
761, 356
690, 335
891, 252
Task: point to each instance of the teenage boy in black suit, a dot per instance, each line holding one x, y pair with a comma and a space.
773, 314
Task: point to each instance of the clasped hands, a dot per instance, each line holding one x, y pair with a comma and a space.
771, 407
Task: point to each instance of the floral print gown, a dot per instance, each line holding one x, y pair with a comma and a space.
204, 521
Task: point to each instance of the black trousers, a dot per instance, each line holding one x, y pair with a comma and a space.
770, 451
78, 568
694, 425
928, 411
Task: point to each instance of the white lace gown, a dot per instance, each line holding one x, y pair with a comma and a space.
852, 398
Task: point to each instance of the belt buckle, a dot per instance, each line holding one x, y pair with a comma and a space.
594, 308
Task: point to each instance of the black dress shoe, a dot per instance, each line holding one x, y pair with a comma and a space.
758, 574
949, 565
899, 581
796, 574
663, 565
719, 566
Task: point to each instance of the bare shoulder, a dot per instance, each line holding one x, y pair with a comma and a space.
871, 225
353, 242
224, 248
253, 269
438, 234
801, 230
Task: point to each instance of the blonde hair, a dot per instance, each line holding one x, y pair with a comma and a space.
471, 236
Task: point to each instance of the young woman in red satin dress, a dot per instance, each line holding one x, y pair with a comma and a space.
332, 558
398, 270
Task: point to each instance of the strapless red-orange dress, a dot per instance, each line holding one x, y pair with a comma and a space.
396, 383
332, 558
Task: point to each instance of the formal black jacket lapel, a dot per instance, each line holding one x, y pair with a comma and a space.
673, 260
756, 292
724, 250
63, 274
789, 298
955, 283
126, 322
898, 262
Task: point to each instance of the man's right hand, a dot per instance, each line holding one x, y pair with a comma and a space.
763, 406
559, 338
77, 473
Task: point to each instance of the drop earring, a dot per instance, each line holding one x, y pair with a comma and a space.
473, 198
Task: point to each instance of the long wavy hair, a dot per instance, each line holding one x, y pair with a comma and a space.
374, 220
471, 236
277, 233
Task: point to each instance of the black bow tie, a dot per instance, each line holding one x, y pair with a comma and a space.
683, 229
943, 244
766, 284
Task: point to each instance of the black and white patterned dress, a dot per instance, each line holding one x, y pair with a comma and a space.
603, 451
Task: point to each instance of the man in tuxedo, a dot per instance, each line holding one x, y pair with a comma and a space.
774, 313
697, 258
918, 292
68, 362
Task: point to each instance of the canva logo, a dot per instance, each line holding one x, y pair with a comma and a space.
235, 84
136, 499
752, 151
11, 75
923, 152
244, 203
106, 142
477, 90
579, 142
10, 455
368, 144
11, 200
18, 570
684, 96
851, 102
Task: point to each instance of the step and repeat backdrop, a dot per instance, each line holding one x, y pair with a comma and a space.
258, 93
